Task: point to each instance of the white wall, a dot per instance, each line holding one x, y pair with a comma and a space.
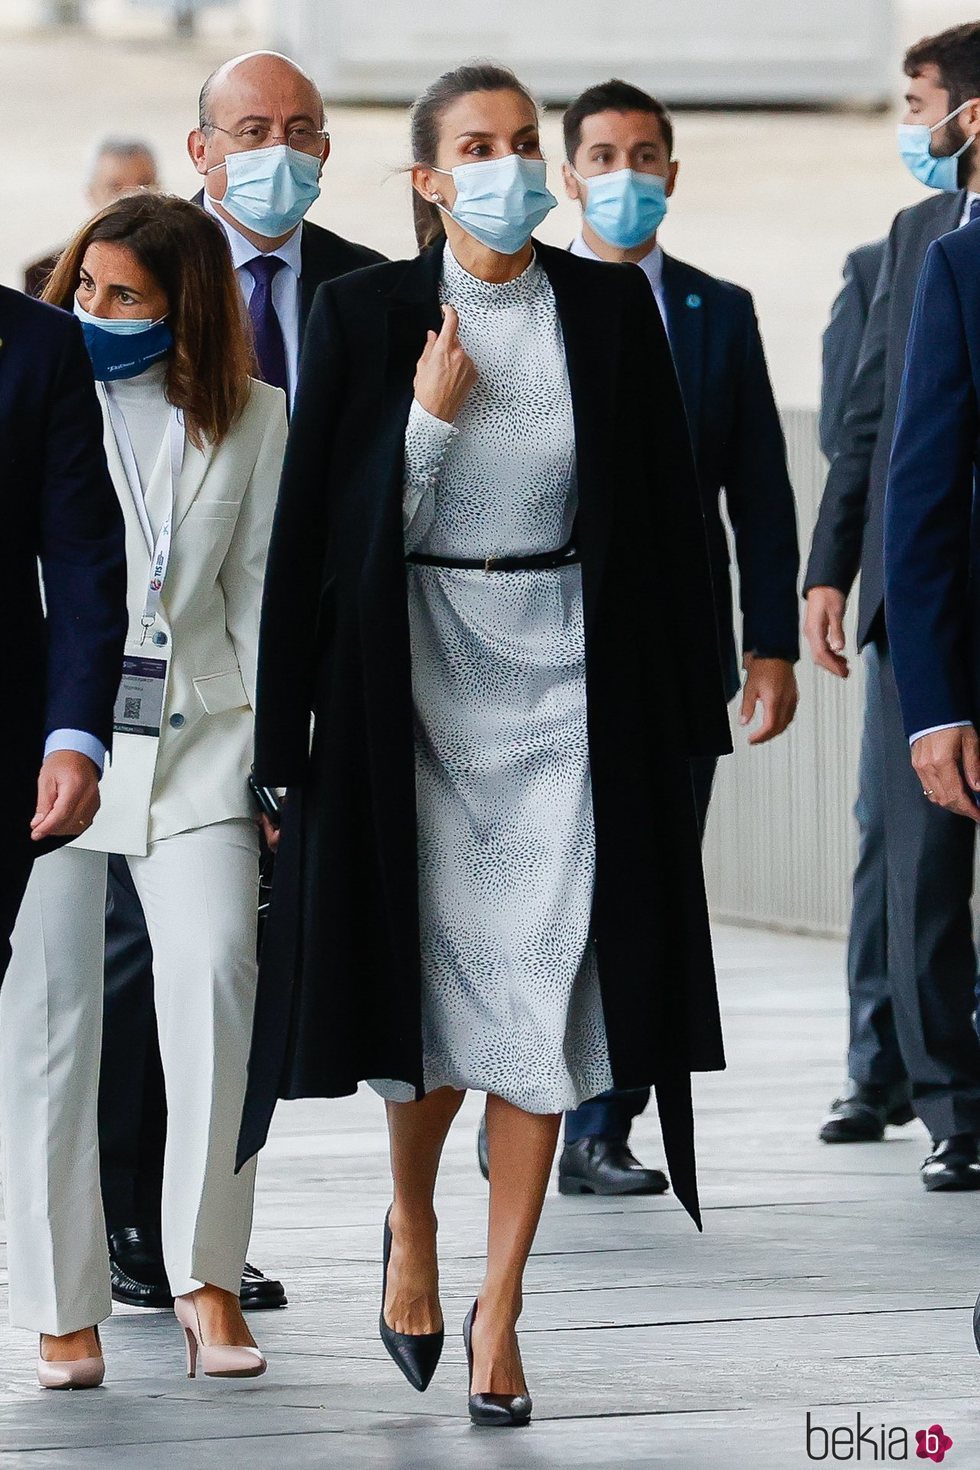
781, 840
688, 50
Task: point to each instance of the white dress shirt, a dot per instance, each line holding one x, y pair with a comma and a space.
968, 203
652, 266
285, 285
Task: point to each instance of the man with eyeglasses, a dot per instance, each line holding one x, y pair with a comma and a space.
260, 145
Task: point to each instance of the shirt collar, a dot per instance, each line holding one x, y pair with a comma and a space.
242, 250
652, 264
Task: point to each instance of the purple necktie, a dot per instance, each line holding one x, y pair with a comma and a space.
270, 346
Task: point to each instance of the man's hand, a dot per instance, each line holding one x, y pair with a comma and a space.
771, 683
67, 796
823, 628
948, 765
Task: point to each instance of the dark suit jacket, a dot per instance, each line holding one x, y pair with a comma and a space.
842, 340
340, 984
324, 257
932, 546
849, 535
58, 669
738, 448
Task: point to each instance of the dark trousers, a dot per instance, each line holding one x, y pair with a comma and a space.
132, 1103
873, 1054
611, 1114
932, 963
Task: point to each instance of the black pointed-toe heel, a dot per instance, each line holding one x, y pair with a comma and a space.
416, 1354
493, 1410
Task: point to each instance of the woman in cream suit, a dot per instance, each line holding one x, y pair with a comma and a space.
194, 448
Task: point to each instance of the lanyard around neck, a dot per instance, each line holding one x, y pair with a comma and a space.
159, 548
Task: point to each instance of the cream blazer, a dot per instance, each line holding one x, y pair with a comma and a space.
196, 772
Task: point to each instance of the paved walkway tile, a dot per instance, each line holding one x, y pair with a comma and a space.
826, 1281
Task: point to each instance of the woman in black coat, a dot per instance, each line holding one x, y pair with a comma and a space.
488, 584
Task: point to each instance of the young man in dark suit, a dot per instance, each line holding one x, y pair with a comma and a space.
874, 1059
932, 551
61, 657
931, 957
260, 145
620, 168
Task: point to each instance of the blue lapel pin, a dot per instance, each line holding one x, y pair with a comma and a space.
693, 301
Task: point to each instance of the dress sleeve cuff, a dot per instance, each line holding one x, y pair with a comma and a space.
78, 740
426, 441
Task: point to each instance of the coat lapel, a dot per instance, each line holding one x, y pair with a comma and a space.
137, 551
591, 353
194, 467
685, 328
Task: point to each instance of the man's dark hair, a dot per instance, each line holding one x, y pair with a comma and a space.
613, 96
956, 56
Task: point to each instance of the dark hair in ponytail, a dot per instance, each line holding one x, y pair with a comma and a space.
426, 116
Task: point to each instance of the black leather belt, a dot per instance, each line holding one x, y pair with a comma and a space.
540, 561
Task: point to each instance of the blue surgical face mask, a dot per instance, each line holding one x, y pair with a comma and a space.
624, 208
914, 140
270, 189
501, 201
123, 347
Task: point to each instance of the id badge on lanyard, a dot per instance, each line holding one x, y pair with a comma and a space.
139, 702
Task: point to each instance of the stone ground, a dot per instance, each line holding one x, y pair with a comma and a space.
826, 1281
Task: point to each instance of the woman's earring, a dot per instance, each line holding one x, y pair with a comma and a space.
437, 199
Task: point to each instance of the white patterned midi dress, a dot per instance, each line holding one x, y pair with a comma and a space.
506, 842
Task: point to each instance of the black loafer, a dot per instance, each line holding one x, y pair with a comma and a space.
600, 1166
953, 1164
862, 1113
136, 1270
260, 1293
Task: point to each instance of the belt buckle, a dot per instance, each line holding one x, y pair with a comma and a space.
489, 563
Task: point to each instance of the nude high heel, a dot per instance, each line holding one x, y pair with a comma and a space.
217, 1360
75, 1373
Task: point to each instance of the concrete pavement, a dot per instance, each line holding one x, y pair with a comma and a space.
826, 1281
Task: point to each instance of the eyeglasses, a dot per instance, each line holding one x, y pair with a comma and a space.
256, 135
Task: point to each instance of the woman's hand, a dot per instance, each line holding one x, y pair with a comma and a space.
269, 832
445, 374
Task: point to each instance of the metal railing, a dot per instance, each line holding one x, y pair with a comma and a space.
781, 840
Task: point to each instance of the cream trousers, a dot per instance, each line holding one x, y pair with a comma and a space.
199, 895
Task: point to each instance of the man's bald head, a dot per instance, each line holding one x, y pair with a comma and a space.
254, 74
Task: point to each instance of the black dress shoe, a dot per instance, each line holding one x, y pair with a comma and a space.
953, 1164
259, 1293
860, 1115
136, 1269
483, 1149
600, 1166
417, 1354
976, 1324
493, 1410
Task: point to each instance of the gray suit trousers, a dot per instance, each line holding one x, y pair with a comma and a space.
873, 1054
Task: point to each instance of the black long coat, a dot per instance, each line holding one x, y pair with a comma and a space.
339, 995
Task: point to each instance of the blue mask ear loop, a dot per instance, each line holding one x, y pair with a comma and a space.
949, 118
